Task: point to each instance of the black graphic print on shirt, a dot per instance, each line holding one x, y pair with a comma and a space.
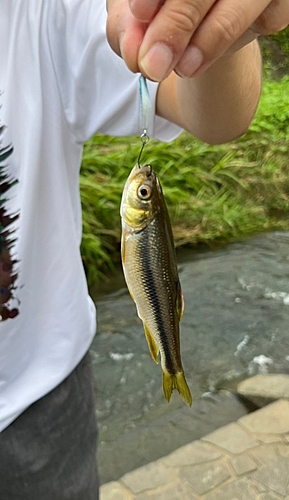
8, 272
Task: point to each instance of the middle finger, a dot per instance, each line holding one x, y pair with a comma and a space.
168, 35
227, 21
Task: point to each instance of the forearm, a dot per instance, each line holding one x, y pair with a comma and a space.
218, 105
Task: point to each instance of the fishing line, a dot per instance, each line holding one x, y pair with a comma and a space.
145, 113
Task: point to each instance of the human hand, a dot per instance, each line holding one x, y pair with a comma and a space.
156, 37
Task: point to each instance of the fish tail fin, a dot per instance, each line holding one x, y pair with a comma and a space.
176, 381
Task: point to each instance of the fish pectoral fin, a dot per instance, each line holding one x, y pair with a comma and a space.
153, 346
176, 381
180, 303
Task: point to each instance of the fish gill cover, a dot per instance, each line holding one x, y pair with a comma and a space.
8, 275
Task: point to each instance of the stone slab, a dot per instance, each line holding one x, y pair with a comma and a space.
269, 496
179, 491
264, 455
242, 489
148, 477
231, 438
264, 389
283, 450
269, 438
114, 491
274, 477
243, 464
205, 477
193, 453
273, 419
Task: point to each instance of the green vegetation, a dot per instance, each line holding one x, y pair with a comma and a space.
214, 193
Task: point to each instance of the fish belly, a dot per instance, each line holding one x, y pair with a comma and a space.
151, 280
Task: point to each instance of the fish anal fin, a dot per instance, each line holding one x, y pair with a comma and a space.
153, 346
180, 303
176, 381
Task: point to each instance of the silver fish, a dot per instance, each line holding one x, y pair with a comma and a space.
150, 270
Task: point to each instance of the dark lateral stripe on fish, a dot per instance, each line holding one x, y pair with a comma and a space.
150, 282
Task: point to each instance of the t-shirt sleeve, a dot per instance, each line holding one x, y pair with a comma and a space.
98, 92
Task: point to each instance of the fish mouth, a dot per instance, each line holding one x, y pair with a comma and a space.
145, 170
148, 171
148, 168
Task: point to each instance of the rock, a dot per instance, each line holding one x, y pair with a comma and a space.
262, 390
271, 420
231, 438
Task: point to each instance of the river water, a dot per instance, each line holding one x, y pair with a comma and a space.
235, 324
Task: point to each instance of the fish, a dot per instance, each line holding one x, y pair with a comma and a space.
151, 274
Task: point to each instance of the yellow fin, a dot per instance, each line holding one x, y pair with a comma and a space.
177, 381
122, 249
154, 350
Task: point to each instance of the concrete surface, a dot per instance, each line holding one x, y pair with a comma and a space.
245, 460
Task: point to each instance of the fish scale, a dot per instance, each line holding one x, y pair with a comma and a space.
150, 270
159, 291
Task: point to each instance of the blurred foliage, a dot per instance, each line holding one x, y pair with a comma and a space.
213, 193
275, 52
282, 39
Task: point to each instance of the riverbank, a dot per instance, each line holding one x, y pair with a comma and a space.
245, 460
235, 325
214, 194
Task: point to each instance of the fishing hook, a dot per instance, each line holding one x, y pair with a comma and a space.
144, 139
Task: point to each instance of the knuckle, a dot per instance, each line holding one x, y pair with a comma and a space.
273, 19
267, 24
229, 28
185, 17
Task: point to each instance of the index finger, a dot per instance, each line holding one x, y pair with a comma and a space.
168, 35
144, 11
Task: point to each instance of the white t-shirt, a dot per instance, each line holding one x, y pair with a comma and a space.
59, 83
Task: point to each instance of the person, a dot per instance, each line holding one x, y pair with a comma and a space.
60, 83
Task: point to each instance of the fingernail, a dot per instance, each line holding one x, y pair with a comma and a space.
121, 43
190, 61
156, 64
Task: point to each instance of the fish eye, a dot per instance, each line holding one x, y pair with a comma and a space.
144, 192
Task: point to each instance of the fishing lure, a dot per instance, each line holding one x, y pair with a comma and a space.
145, 110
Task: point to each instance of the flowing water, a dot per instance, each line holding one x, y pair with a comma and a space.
235, 324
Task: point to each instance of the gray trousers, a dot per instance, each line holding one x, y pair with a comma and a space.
49, 452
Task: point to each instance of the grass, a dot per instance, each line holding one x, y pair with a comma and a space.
213, 193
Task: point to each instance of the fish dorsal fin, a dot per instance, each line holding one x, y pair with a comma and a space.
180, 303
153, 346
